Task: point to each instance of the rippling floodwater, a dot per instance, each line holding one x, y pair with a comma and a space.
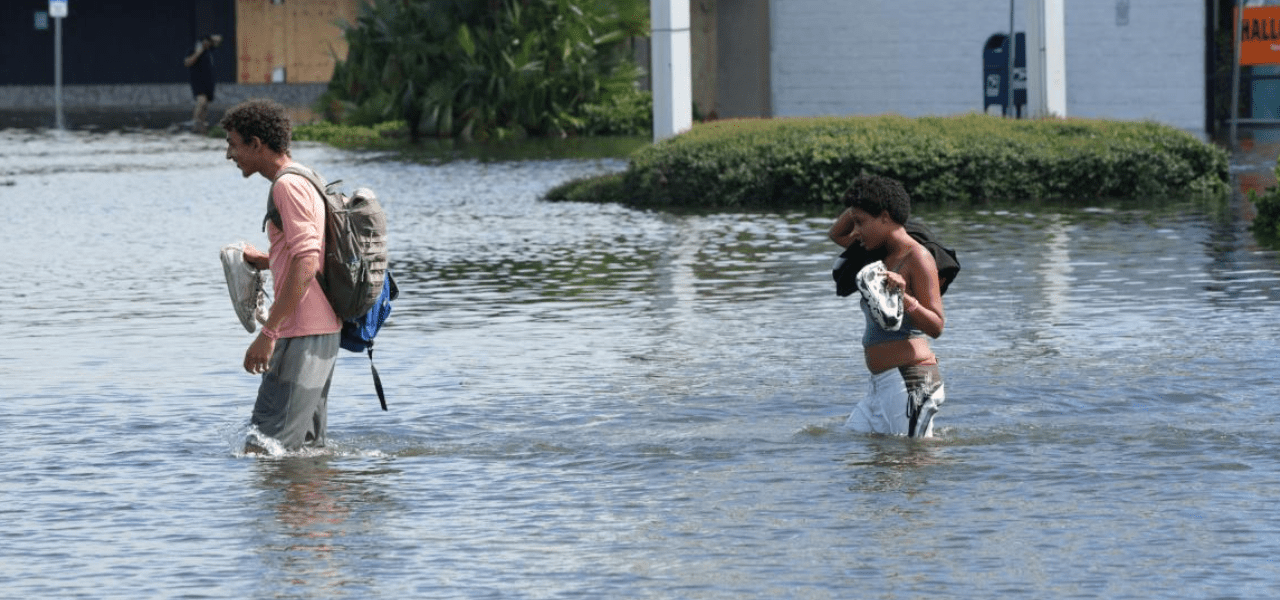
598, 402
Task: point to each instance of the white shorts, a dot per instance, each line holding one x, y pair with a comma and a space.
900, 401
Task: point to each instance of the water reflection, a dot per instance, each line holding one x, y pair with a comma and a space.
1055, 270
316, 518
892, 465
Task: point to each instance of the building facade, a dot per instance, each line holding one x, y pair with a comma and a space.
1125, 59
122, 59
116, 42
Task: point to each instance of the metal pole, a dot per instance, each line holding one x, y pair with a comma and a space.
57, 71
1235, 73
1008, 74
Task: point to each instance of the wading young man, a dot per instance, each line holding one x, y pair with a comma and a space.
296, 349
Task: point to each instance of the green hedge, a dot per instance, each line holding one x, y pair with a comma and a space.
1266, 223
375, 137
798, 162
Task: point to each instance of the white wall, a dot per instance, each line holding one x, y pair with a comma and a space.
920, 57
924, 57
1152, 68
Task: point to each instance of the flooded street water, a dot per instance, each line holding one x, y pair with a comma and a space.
599, 402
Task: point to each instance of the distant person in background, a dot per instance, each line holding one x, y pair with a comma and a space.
200, 63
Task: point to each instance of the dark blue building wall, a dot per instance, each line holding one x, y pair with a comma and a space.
114, 41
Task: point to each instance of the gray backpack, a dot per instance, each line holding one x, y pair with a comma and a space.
355, 240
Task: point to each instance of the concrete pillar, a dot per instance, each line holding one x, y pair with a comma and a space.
1046, 59
672, 68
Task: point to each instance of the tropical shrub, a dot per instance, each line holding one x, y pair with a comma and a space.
627, 111
490, 69
809, 161
1266, 221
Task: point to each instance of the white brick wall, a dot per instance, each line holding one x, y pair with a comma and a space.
924, 57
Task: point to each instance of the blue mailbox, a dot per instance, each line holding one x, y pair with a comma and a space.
995, 73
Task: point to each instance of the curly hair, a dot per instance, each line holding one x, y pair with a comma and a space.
263, 119
876, 194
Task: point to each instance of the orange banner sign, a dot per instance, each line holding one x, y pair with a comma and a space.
1260, 36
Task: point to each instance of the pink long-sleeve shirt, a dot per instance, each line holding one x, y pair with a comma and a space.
302, 216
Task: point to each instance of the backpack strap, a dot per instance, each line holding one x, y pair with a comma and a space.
272, 215
377, 381
311, 175
392, 292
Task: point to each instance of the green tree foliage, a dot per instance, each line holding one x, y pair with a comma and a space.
490, 69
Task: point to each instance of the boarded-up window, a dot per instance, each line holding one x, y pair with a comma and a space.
290, 41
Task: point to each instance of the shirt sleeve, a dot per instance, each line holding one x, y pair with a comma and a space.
301, 216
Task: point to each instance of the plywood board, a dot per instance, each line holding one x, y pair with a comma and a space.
295, 41
315, 38
260, 41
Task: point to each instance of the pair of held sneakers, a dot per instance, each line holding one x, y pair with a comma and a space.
886, 305
245, 284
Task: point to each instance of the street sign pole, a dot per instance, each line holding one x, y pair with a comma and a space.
57, 70
1008, 74
1235, 72
58, 10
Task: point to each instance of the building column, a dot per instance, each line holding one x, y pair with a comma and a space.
672, 68
1046, 59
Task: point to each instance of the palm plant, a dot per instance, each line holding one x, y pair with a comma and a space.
486, 68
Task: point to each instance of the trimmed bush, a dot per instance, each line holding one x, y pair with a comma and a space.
1266, 223
808, 162
605, 188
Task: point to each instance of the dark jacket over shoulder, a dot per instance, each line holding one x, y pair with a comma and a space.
855, 257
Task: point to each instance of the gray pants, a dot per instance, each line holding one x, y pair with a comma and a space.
293, 400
